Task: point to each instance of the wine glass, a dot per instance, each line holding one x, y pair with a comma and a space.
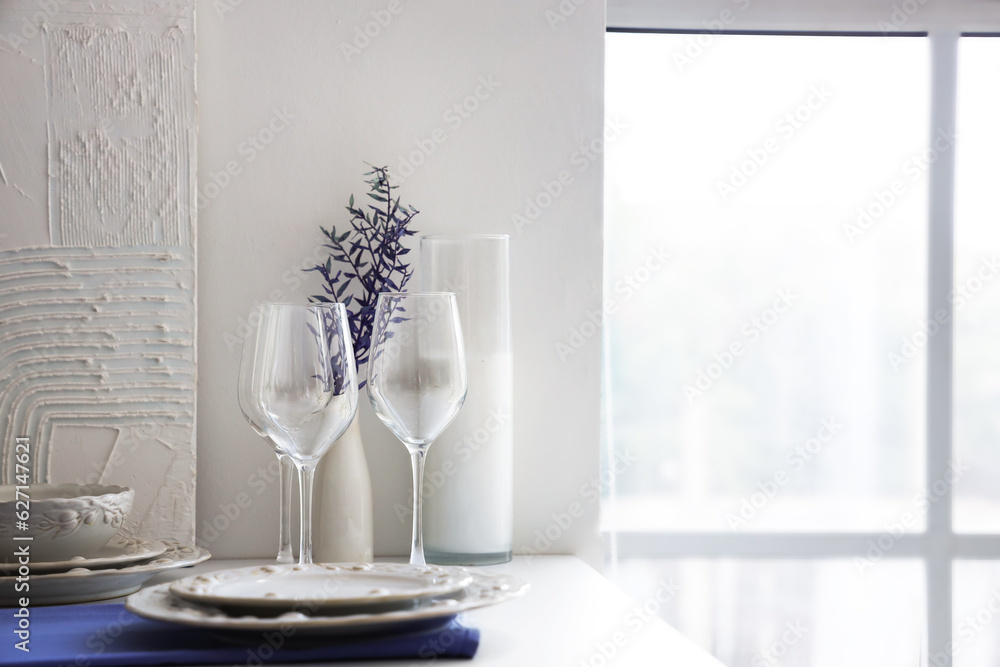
287, 468
417, 378
304, 384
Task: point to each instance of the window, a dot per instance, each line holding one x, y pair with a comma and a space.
789, 295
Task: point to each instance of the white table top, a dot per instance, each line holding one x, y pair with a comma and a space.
572, 616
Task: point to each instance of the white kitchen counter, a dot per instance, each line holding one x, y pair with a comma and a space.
572, 617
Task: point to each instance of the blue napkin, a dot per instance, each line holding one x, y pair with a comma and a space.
108, 634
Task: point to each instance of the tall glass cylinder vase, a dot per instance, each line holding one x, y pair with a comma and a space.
468, 478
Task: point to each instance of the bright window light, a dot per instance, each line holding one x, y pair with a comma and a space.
977, 288
766, 253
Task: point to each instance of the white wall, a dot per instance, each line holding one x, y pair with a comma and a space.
547, 71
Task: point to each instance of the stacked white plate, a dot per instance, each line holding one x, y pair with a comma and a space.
325, 599
120, 567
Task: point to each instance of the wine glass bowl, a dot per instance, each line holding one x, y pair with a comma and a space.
418, 406
417, 379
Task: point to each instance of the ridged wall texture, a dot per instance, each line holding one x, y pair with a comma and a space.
97, 255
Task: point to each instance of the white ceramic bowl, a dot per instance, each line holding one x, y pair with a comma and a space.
63, 520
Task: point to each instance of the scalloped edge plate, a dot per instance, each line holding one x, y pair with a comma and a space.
320, 586
486, 588
120, 550
84, 585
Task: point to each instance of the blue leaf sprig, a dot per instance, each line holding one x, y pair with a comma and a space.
367, 259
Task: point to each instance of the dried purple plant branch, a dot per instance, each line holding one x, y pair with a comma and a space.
367, 259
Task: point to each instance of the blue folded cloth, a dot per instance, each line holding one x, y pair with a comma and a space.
108, 634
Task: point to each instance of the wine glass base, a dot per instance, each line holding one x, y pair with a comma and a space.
451, 558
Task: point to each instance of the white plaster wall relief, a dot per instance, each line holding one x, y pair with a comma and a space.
117, 154
97, 258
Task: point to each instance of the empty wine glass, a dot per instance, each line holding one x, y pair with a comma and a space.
417, 378
287, 468
304, 385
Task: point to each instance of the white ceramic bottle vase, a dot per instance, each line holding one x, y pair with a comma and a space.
468, 478
343, 516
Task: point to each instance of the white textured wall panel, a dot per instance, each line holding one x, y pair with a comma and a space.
97, 260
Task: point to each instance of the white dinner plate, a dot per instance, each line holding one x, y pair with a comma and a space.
486, 588
321, 586
83, 585
121, 550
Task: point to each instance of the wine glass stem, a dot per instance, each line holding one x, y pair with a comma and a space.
417, 548
285, 475
306, 470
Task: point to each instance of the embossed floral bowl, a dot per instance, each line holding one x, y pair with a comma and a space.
62, 520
